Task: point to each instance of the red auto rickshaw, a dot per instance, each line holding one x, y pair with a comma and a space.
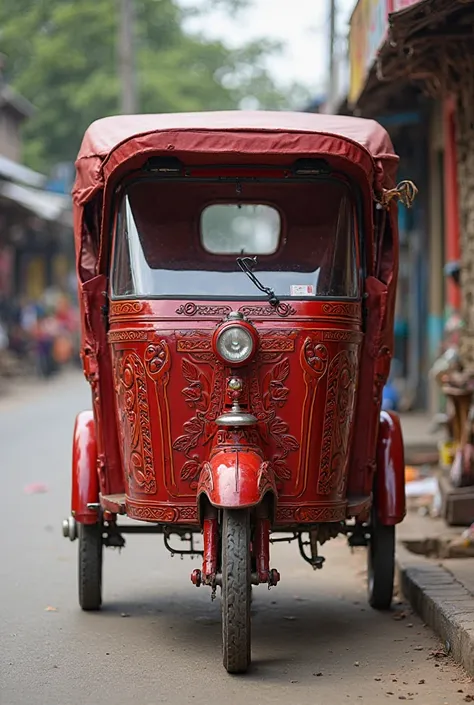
237, 275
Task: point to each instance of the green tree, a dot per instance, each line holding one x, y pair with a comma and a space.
61, 55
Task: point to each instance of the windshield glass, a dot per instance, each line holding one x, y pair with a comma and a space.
183, 239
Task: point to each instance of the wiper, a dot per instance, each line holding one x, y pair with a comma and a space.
247, 265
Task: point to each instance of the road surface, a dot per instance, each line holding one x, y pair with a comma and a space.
157, 640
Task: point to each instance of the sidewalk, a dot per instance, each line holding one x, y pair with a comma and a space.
421, 443
440, 590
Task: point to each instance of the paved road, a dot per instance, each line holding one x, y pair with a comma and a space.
157, 641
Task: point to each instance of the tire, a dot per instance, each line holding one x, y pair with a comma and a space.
236, 590
380, 564
90, 566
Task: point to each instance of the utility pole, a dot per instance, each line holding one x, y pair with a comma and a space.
126, 55
332, 77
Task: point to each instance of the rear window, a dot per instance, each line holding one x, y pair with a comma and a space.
182, 239
240, 229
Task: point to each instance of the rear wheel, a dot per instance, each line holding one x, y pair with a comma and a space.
380, 563
236, 589
90, 566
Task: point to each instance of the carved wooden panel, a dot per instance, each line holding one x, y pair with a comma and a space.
268, 393
338, 416
204, 393
136, 425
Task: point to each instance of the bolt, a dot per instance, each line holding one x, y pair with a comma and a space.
196, 577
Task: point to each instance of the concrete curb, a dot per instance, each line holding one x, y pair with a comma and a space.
441, 601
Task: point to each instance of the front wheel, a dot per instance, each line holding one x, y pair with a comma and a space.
236, 589
90, 566
380, 563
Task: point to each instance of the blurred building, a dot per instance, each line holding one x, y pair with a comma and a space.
407, 63
36, 250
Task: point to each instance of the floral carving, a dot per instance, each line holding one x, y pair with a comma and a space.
123, 308
349, 310
181, 514
272, 427
134, 409
276, 391
237, 436
190, 309
339, 411
193, 344
278, 341
315, 357
124, 336
296, 514
207, 405
188, 513
151, 512
157, 359
342, 336
283, 310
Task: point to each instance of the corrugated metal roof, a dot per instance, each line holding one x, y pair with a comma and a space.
45, 205
12, 171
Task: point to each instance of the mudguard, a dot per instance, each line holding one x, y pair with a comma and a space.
236, 479
85, 478
389, 498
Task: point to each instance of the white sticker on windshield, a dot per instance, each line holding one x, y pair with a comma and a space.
302, 290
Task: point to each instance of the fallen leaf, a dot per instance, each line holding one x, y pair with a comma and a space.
50, 609
437, 653
400, 615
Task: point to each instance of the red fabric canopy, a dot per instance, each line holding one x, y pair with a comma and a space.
111, 144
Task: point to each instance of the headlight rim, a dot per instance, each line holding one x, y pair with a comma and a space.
249, 329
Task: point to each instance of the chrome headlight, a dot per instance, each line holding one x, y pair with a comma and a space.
235, 344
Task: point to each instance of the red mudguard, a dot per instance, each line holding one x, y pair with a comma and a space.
390, 479
237, 478
85, 479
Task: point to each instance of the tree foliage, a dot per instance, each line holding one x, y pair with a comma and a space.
62, 56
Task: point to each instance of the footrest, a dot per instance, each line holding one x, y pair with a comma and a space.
114, 503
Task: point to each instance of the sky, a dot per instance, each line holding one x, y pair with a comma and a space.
302, 25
